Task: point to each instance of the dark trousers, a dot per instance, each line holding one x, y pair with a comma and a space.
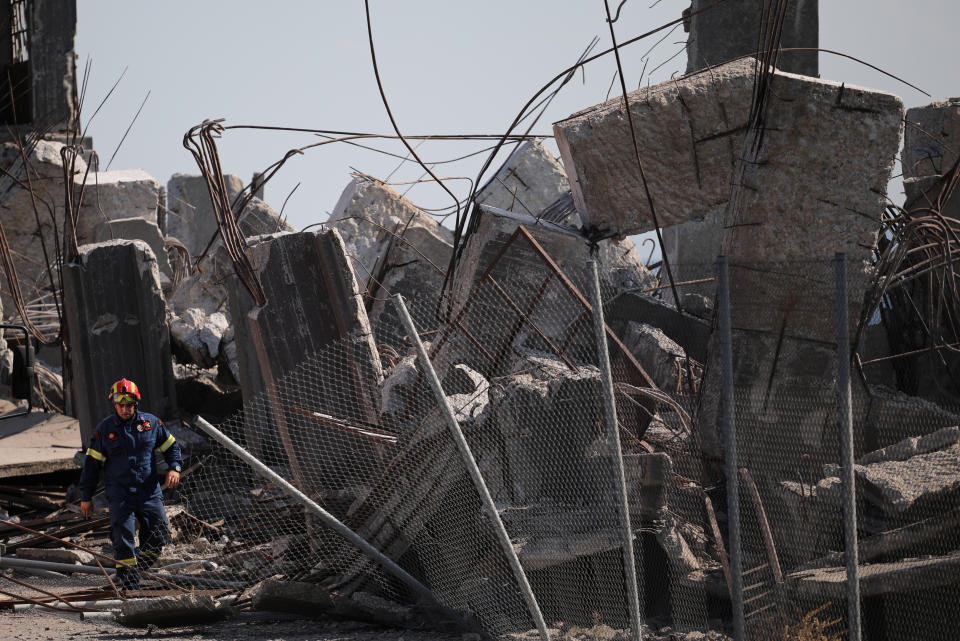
125, 514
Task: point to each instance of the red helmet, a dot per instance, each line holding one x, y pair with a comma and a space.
124, 391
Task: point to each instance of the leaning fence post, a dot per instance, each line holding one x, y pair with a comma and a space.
728, 421
848, 479
471, 465
328, 519
613, 442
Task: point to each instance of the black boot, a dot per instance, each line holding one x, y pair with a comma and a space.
127, 578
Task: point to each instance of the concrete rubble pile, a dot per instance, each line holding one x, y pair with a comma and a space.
334, 398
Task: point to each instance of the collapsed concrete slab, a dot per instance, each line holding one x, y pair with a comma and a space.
729, 30
136, 229
691, 133
26, 220
313, 311
116, 322
394, 248
115, 195
919, 485
189, 216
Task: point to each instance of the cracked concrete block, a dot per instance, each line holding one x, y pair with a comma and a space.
800, 196
44, 173
729, 30
196, 337
116, 320
529, 181
394, 248
546, 418
313, 311
172, 610
136, 229
930, 139
692, 334
189, 216
113, 195
658, 354
923, 483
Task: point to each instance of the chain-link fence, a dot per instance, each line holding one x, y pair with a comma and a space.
517, 356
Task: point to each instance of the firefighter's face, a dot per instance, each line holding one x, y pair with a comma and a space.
124, 410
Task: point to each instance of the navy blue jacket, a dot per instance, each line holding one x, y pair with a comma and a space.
124, 451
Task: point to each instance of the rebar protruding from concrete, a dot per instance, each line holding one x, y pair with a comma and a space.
471, 464
616, 454
328, 519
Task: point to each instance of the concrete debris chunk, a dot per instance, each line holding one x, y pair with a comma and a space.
189, 216
660, 357
115, 312
394, 248
313, 310
173, 610
290, 596
196, 337
532, 183
929, 142
914, 446
691, 135
729, 30
115, 195
56, 555
922, 482
136, 229
17, 207
529, 181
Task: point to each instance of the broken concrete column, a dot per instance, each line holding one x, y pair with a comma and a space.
116, 321
313, 311
26, 220
136, 229
190, 217
394, 248
731, 29
115, 195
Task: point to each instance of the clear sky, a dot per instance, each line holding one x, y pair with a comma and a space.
448, 66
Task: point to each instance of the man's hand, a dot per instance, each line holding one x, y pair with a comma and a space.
86, 508
173, 479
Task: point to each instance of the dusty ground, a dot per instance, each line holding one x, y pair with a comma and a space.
252, 627
46, 625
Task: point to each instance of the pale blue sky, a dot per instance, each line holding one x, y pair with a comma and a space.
448, 67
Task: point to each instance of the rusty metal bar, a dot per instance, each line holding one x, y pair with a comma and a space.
768, 542
718, 538
539, 332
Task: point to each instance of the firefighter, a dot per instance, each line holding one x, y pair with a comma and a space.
122, 447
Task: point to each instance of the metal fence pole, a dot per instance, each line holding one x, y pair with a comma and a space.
728, 421
847, 477
613, 442
471, 464
328, 519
